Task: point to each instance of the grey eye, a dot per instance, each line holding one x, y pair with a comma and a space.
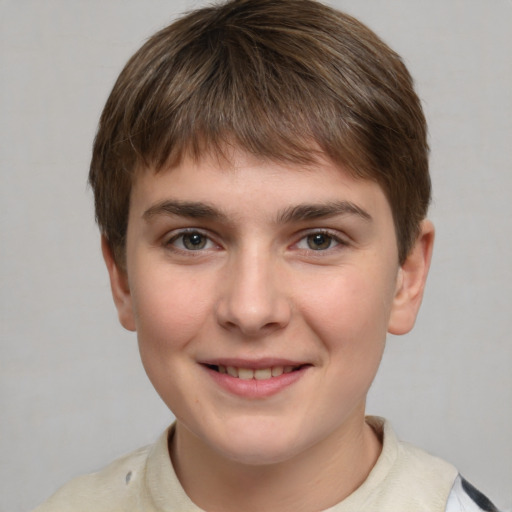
194, 241
319, 241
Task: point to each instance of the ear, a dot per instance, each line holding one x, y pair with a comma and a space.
411, 279
120, 287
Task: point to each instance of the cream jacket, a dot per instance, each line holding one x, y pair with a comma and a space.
404, 479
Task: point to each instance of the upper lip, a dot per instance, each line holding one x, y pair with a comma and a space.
254, 364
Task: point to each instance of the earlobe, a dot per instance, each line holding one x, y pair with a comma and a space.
411, 280
119, 286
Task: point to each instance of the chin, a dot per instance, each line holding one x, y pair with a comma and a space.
259, 446
259, 455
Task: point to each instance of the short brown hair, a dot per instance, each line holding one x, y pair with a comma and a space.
280, 79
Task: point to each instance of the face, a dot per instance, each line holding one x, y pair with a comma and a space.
261, 294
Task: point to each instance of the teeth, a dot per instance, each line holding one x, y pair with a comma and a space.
259, 374
276, 371
245, 373
263, 373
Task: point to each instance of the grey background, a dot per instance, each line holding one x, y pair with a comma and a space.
73, 394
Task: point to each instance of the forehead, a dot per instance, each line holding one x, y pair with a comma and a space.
247, 188
247, 175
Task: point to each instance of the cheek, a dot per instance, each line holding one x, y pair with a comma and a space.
170, 313
349, 318
349, 326
169, 310
347, 308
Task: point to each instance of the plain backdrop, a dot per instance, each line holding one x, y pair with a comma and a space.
73, 393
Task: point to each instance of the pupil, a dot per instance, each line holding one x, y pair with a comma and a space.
194, 241
319, 241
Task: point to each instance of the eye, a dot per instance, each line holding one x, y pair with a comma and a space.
191, 241
319, 241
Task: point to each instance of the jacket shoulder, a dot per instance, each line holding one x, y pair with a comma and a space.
115, 487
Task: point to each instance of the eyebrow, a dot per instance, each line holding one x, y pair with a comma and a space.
298, 213
189, 209
304, 212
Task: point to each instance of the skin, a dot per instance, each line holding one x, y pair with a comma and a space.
289, 264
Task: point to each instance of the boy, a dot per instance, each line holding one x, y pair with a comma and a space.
261, 183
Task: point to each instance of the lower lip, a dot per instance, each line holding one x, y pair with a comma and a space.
254, 389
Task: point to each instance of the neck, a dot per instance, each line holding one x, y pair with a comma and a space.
314, 480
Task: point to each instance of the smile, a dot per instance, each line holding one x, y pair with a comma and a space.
257, 374
255, 379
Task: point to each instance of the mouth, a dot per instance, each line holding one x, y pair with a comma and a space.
255, 379
255, 373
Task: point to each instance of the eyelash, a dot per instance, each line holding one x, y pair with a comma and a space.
169, 243
331, 238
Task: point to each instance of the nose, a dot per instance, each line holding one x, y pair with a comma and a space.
252, 298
